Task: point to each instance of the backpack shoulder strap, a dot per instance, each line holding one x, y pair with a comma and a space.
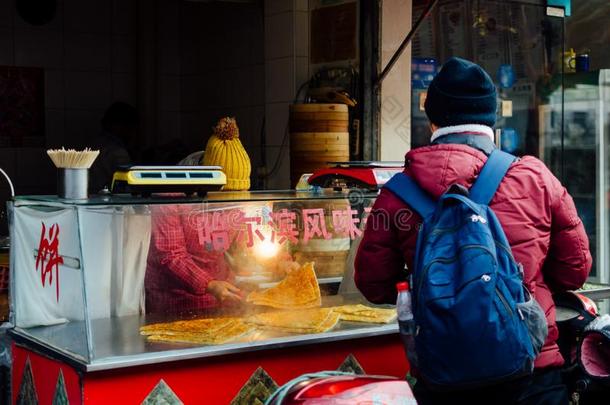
405, 188
494, 170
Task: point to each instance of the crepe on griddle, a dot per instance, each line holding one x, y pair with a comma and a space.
302, 321
210, 331
363, 313
299, 289
205, 325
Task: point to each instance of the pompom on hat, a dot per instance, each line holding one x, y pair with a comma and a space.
226, 150
461, 93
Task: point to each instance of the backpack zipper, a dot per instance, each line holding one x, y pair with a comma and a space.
440, 231
506, 249
504, 301
446, 261
512, 258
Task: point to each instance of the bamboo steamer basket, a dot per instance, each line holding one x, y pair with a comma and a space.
318, 134
331, 263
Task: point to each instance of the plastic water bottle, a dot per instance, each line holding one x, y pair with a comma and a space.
406, 323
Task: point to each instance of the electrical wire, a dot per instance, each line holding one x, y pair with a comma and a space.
10, 183
280, 156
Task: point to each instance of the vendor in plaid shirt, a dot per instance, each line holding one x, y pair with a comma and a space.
184, 273
187, 272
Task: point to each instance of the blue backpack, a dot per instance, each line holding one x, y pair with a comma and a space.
467, 289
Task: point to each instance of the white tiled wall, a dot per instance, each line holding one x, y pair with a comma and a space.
88, 52
212, 60
222, 71
286, 68
395, 139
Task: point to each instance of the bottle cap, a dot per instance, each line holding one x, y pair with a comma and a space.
402, 286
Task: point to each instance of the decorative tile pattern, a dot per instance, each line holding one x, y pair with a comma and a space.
256, 391
351, 365
162, 394
61, 395
27, 391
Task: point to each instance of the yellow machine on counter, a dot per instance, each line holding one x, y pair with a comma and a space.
146, 180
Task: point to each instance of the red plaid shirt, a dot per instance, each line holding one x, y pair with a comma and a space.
180, 263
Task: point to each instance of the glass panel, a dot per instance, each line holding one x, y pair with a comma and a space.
582, 154
604, 125
224, 196
579, 153
251, 246
145, 264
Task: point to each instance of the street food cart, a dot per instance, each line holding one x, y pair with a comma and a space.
82, 298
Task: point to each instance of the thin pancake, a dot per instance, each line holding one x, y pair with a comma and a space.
328, 324
302, 319
363, 313
299, 289
309, 305
205, 325
227, 334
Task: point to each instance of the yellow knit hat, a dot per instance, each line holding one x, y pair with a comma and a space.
225, 149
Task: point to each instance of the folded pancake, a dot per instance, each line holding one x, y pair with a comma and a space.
302, 321
299, 289
205, 325
363, 313
232, 331
327, 325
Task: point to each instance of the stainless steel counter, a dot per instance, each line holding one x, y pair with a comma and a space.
117, 342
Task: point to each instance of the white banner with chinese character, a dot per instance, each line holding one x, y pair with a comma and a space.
47, 267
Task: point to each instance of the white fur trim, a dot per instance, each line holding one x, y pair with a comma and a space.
470, 128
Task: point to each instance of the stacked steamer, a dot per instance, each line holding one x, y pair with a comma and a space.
319, 133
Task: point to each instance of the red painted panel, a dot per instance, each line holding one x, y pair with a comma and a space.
45, 372
217, 380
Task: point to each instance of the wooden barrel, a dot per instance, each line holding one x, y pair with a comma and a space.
330, 263
318, 134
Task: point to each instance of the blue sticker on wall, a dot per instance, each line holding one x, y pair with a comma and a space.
509, 140
423, 71
566, 4
506, 76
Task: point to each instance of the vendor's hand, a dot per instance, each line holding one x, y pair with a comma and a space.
224, 291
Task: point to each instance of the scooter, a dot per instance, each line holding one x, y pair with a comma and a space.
337, 388
584, 342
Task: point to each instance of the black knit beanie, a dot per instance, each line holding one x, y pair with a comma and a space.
461, 93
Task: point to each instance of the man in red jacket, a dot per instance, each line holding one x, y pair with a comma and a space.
536, 212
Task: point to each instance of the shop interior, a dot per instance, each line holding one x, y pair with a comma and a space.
184, 64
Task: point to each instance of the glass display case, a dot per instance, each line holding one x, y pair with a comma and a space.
103, 282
